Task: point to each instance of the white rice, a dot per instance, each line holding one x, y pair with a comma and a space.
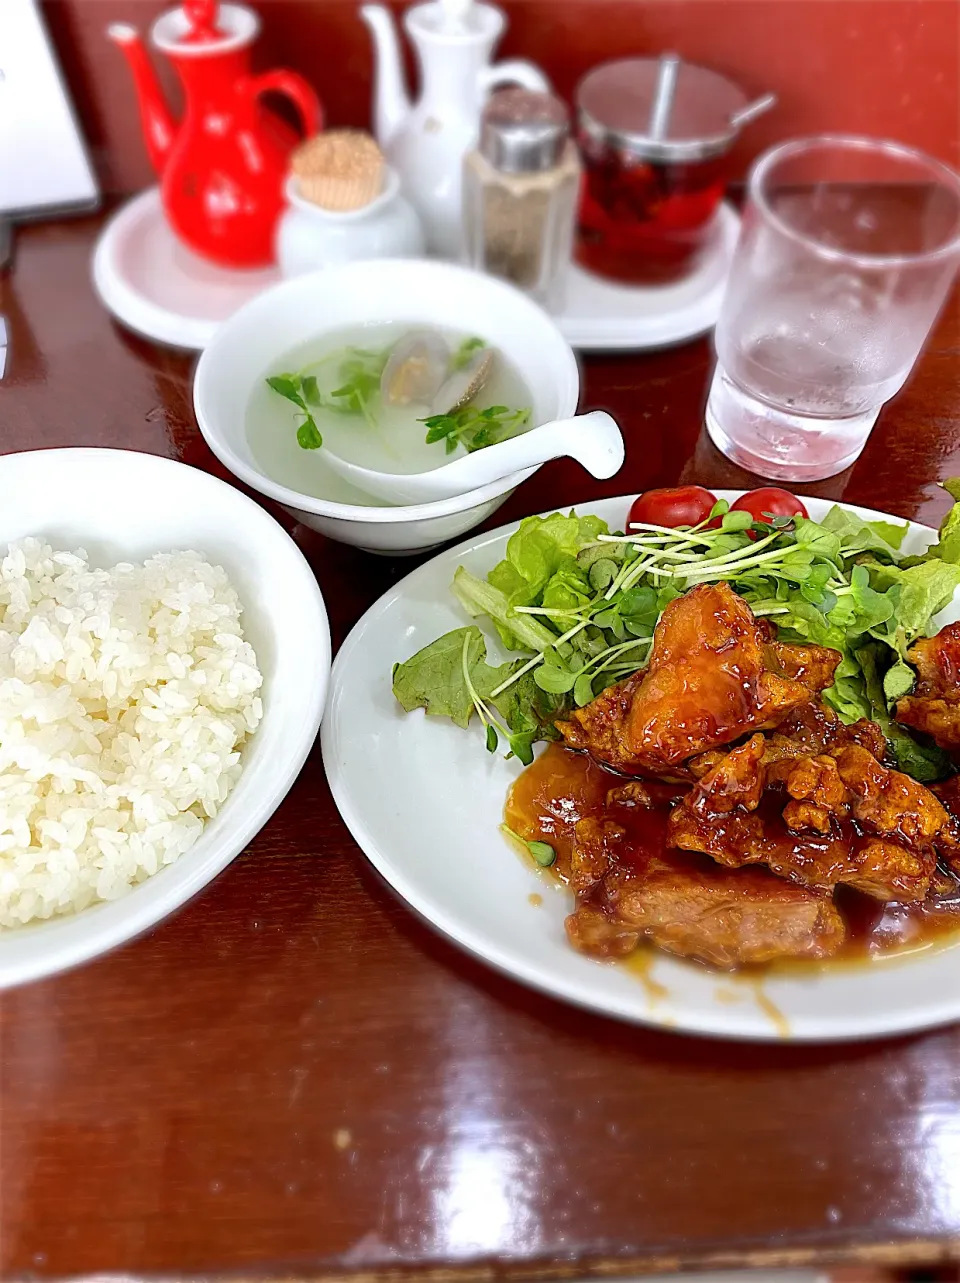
125, 696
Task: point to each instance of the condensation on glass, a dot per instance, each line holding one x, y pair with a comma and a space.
847, 251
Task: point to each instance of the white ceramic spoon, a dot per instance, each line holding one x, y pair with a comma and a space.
592, 439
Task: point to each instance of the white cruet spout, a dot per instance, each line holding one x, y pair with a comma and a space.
391, 103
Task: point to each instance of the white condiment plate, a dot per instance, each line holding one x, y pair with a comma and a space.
423, 800
156, 286
600, 315
153, 284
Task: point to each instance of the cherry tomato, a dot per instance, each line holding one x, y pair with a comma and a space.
674, 506
767, 502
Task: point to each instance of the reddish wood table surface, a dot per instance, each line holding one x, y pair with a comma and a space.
293, 1076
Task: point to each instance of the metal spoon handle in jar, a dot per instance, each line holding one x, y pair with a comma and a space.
662, 104
752, 110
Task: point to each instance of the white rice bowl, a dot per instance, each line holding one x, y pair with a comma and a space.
166, 789
125, 697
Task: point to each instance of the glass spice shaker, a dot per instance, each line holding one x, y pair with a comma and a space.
520, 190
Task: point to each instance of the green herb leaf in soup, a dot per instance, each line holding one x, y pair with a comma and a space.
392, 398
288, 385
465, 352
291, 388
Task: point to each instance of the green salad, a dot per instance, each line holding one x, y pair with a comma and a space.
579, 603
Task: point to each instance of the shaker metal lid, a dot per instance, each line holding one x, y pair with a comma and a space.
616, 104
522, 131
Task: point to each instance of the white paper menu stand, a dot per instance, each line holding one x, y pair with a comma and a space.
44, 167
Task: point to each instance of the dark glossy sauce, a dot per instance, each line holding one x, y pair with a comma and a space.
562, 787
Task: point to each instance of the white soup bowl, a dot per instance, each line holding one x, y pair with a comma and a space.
248, 347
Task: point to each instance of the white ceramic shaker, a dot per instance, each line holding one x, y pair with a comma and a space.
344, 204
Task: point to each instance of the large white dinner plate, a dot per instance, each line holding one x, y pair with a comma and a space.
423, 800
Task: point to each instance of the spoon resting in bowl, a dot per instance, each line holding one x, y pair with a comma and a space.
592, 439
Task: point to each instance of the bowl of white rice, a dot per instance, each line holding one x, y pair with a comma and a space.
164, 659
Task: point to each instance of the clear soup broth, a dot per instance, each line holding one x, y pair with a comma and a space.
381, 436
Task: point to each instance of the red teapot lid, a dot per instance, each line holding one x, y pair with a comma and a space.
199, 27
203, 21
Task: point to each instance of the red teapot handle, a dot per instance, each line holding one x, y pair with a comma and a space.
297, 90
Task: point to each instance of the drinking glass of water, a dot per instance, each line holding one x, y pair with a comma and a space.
847, 252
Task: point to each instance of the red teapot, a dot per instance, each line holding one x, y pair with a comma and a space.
222, 169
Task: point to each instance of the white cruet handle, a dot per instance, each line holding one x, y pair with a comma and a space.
515, 71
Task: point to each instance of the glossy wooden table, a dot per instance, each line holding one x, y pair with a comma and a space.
295, 1077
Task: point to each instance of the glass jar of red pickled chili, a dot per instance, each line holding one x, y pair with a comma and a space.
656, 165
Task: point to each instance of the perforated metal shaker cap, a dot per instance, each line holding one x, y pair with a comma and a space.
522, 131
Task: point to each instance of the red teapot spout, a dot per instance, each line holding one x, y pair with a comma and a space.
159, 127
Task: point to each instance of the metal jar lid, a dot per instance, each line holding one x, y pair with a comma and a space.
523, 132
663, 108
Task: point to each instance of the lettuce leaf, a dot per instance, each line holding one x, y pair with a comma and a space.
540, 569
537, 550
857, 535
918, 592
530, 713
947, 547
848, 694
568, 588
518, 632
923, 762
924, 591
433, 679
840, 583
859, 691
